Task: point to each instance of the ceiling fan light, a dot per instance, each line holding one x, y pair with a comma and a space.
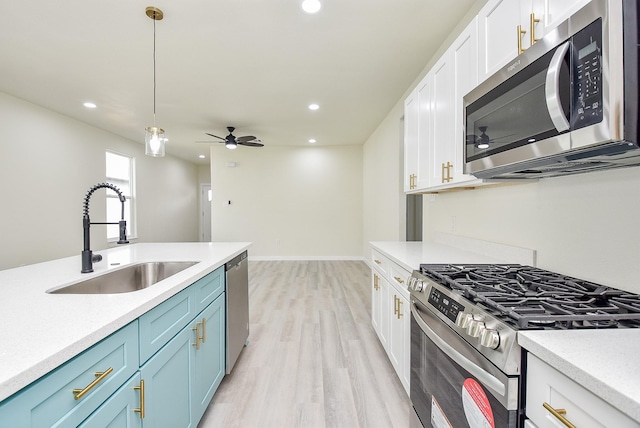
231, 145
154, 141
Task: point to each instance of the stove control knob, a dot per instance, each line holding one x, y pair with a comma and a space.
474, 327
418, 285
489, 338
463, 318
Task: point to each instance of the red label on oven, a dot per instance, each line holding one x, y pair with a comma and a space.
476, 405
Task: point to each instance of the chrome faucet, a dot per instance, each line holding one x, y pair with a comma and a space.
88, 258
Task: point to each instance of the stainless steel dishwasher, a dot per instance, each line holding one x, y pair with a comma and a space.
237, 307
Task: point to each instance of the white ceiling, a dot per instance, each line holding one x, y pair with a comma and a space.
252, 64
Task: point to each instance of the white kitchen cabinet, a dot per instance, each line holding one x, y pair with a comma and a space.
509, 27
390, 313
439, 157
548, 390
411, 153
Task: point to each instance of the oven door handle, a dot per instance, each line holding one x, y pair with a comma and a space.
480, 374
552, 89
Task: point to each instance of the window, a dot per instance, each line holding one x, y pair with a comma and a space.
120, 172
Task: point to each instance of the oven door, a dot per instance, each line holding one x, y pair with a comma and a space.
452, 384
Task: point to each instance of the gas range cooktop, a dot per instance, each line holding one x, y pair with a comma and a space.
526, 297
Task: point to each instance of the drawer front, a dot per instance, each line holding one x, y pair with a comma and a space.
583, 408
122, 409
207, 289
50, 401
398, 278
380, 262
163, 322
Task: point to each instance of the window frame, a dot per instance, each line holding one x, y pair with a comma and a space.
132, 228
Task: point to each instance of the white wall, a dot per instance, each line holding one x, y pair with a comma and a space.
291, 202
48, 162
383, 198
583, 225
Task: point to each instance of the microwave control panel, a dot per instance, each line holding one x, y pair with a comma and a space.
587, 68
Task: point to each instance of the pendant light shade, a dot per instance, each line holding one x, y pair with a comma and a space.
154, 139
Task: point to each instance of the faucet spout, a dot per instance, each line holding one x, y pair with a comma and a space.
88, 258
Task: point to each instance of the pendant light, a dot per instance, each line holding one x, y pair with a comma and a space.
154, 139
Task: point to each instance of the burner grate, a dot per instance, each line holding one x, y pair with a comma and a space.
529, 297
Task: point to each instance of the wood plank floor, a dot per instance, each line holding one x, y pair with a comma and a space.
313, 359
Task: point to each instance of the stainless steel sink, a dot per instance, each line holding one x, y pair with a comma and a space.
129, 278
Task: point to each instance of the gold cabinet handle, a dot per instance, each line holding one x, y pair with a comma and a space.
378, 262
521, 33
395, 305
442, 179
204, 330
100, 376
532, 28
197, 330
446, 167
558, 413
376, 285
141, 408
400, 280
399, 311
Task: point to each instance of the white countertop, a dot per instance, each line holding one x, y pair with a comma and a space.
452, 249
40, 331
603, 361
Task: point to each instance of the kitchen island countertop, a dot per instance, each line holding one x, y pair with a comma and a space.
41, 331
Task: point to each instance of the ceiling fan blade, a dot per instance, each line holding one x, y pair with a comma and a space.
250, 144
246, 138
223, 139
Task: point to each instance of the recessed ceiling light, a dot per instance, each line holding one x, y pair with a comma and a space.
89, 105
312, 140
311, 6
314, 106
201, 156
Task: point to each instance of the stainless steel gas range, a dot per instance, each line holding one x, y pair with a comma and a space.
466, 365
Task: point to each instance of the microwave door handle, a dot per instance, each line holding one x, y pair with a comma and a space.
552, 89
480, 374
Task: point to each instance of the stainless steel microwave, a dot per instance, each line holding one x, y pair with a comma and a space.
568, 104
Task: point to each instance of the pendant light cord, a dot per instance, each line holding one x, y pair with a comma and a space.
154, 72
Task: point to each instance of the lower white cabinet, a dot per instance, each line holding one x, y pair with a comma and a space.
390, 315
552, 397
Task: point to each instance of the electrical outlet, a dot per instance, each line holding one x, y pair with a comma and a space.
277, 243
453, 223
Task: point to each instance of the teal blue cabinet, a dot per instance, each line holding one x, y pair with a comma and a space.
209, 361
167, 380
164, 321
70, 393
172, 358
207, 289
121, 410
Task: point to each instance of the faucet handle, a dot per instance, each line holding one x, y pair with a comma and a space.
96, 258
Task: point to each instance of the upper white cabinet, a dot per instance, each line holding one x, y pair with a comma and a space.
434, 146
509, 27
498, 23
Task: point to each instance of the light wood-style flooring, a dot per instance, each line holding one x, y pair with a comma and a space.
313, 358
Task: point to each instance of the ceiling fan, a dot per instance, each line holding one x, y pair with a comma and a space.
482, 141
232, 142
